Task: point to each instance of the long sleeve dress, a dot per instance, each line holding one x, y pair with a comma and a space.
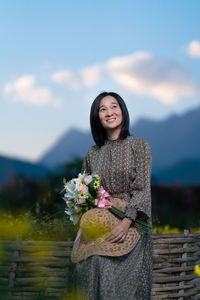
125, 168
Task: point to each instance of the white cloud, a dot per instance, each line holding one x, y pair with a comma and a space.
65, 77
139, 72
91, 75
87, 77
193, 49
23, 89
142, 73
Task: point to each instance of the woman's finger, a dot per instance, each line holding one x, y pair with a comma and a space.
114, 238
122, 239
118, 240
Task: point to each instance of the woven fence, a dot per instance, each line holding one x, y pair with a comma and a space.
175, 256
42, 269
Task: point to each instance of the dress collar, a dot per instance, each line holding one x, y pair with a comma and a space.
112, 142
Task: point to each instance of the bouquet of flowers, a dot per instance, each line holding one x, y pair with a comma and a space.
86, 192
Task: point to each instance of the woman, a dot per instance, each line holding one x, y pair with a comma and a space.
119, 265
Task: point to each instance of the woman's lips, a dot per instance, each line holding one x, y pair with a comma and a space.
111, 120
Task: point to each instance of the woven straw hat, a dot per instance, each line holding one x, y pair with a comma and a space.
95, 226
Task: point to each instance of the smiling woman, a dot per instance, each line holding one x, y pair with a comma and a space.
119, 264
109, 118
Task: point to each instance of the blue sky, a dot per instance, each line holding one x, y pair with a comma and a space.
56, 56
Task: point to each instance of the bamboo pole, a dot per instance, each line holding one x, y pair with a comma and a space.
184, 264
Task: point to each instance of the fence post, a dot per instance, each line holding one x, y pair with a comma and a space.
12, 274
183, 264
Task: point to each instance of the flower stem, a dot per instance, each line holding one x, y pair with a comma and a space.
117, 212
139, 224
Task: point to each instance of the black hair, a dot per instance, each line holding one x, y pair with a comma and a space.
98, 131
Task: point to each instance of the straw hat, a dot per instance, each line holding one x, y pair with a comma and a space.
95, 226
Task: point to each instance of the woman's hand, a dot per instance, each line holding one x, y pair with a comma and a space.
119, 233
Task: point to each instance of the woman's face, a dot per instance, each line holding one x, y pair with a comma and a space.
110, 114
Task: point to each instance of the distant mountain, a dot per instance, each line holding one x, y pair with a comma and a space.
9, 167
172, 140
185, 172
73, 143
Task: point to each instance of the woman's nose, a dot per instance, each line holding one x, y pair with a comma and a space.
109, 112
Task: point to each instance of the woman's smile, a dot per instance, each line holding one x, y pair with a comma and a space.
111, 120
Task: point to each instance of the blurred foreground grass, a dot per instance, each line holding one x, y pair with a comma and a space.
167, 230
28, 227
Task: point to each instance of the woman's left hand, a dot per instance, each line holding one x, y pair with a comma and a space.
118, 234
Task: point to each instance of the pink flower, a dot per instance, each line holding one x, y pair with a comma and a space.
88, 179
102, 201
103, 193
83, 188
80, 200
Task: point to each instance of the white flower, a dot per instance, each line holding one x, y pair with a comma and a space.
71, 190
70, 204
80, 177
74, 217
76, 208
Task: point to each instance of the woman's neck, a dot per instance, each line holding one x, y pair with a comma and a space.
113, 135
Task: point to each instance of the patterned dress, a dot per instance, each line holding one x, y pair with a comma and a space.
125, 168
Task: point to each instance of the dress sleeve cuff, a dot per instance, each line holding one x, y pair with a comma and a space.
130, 213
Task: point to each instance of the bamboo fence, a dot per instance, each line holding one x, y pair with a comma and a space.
42, 269
175, 256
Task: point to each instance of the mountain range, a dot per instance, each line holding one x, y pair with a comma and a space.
9, 167
175, 145
186, 172
172, 140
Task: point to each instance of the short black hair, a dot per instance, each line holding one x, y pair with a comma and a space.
98, 131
